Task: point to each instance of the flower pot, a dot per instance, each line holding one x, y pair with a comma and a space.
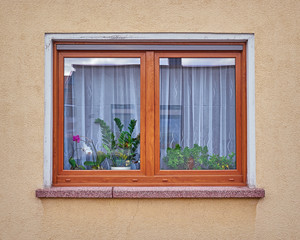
120, 168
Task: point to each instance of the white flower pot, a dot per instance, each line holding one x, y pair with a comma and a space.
120, 168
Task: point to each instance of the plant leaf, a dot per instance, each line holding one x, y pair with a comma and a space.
106, 148
119, 124
72, 162
131, 126
107, 135
89, 163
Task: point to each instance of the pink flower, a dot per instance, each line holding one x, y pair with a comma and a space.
76, 138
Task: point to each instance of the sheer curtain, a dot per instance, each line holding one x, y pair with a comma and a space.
103, 92
197, 107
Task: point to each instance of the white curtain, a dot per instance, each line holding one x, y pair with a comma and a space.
197, 105
103, 92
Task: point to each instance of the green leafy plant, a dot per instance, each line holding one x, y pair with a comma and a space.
126, 142
197, 158
187, 158
88, 147
121, 150
74, 165
221, 162
96, 165
108, 137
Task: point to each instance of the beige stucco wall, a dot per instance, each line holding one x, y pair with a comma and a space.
22, 216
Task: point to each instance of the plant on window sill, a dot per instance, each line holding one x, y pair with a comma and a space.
87, 146
197, 158
120, 152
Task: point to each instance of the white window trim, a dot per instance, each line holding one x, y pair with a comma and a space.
163, 37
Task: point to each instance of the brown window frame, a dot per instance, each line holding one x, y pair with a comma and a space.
150, 173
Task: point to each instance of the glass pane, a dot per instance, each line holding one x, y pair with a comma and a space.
101, 113
197, 114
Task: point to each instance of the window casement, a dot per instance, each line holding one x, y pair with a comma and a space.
173, 113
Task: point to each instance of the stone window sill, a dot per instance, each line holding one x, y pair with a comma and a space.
150, 192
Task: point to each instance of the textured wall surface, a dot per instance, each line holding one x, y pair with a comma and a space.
277, 216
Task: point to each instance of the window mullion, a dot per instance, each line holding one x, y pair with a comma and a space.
150, 126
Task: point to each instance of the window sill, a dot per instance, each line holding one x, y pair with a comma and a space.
150, 192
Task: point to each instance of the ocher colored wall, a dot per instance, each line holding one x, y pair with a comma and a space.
277, 216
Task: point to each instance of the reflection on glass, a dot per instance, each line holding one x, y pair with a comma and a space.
197, 114
101, 113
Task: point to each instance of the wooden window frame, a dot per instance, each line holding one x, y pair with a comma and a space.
150, 173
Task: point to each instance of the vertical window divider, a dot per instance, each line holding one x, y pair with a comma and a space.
143, 116
150, 117
157, 114
244, 113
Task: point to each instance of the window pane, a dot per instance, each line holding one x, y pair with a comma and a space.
101, 113
197, 114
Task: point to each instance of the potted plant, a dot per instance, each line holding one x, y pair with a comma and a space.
197, 158
120, 149
218, 162
96, 165
88, 147
184, 159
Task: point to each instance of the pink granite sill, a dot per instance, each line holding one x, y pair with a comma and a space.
150, 192
188, 192
74, 192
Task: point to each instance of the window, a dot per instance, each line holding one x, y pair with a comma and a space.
149, 114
